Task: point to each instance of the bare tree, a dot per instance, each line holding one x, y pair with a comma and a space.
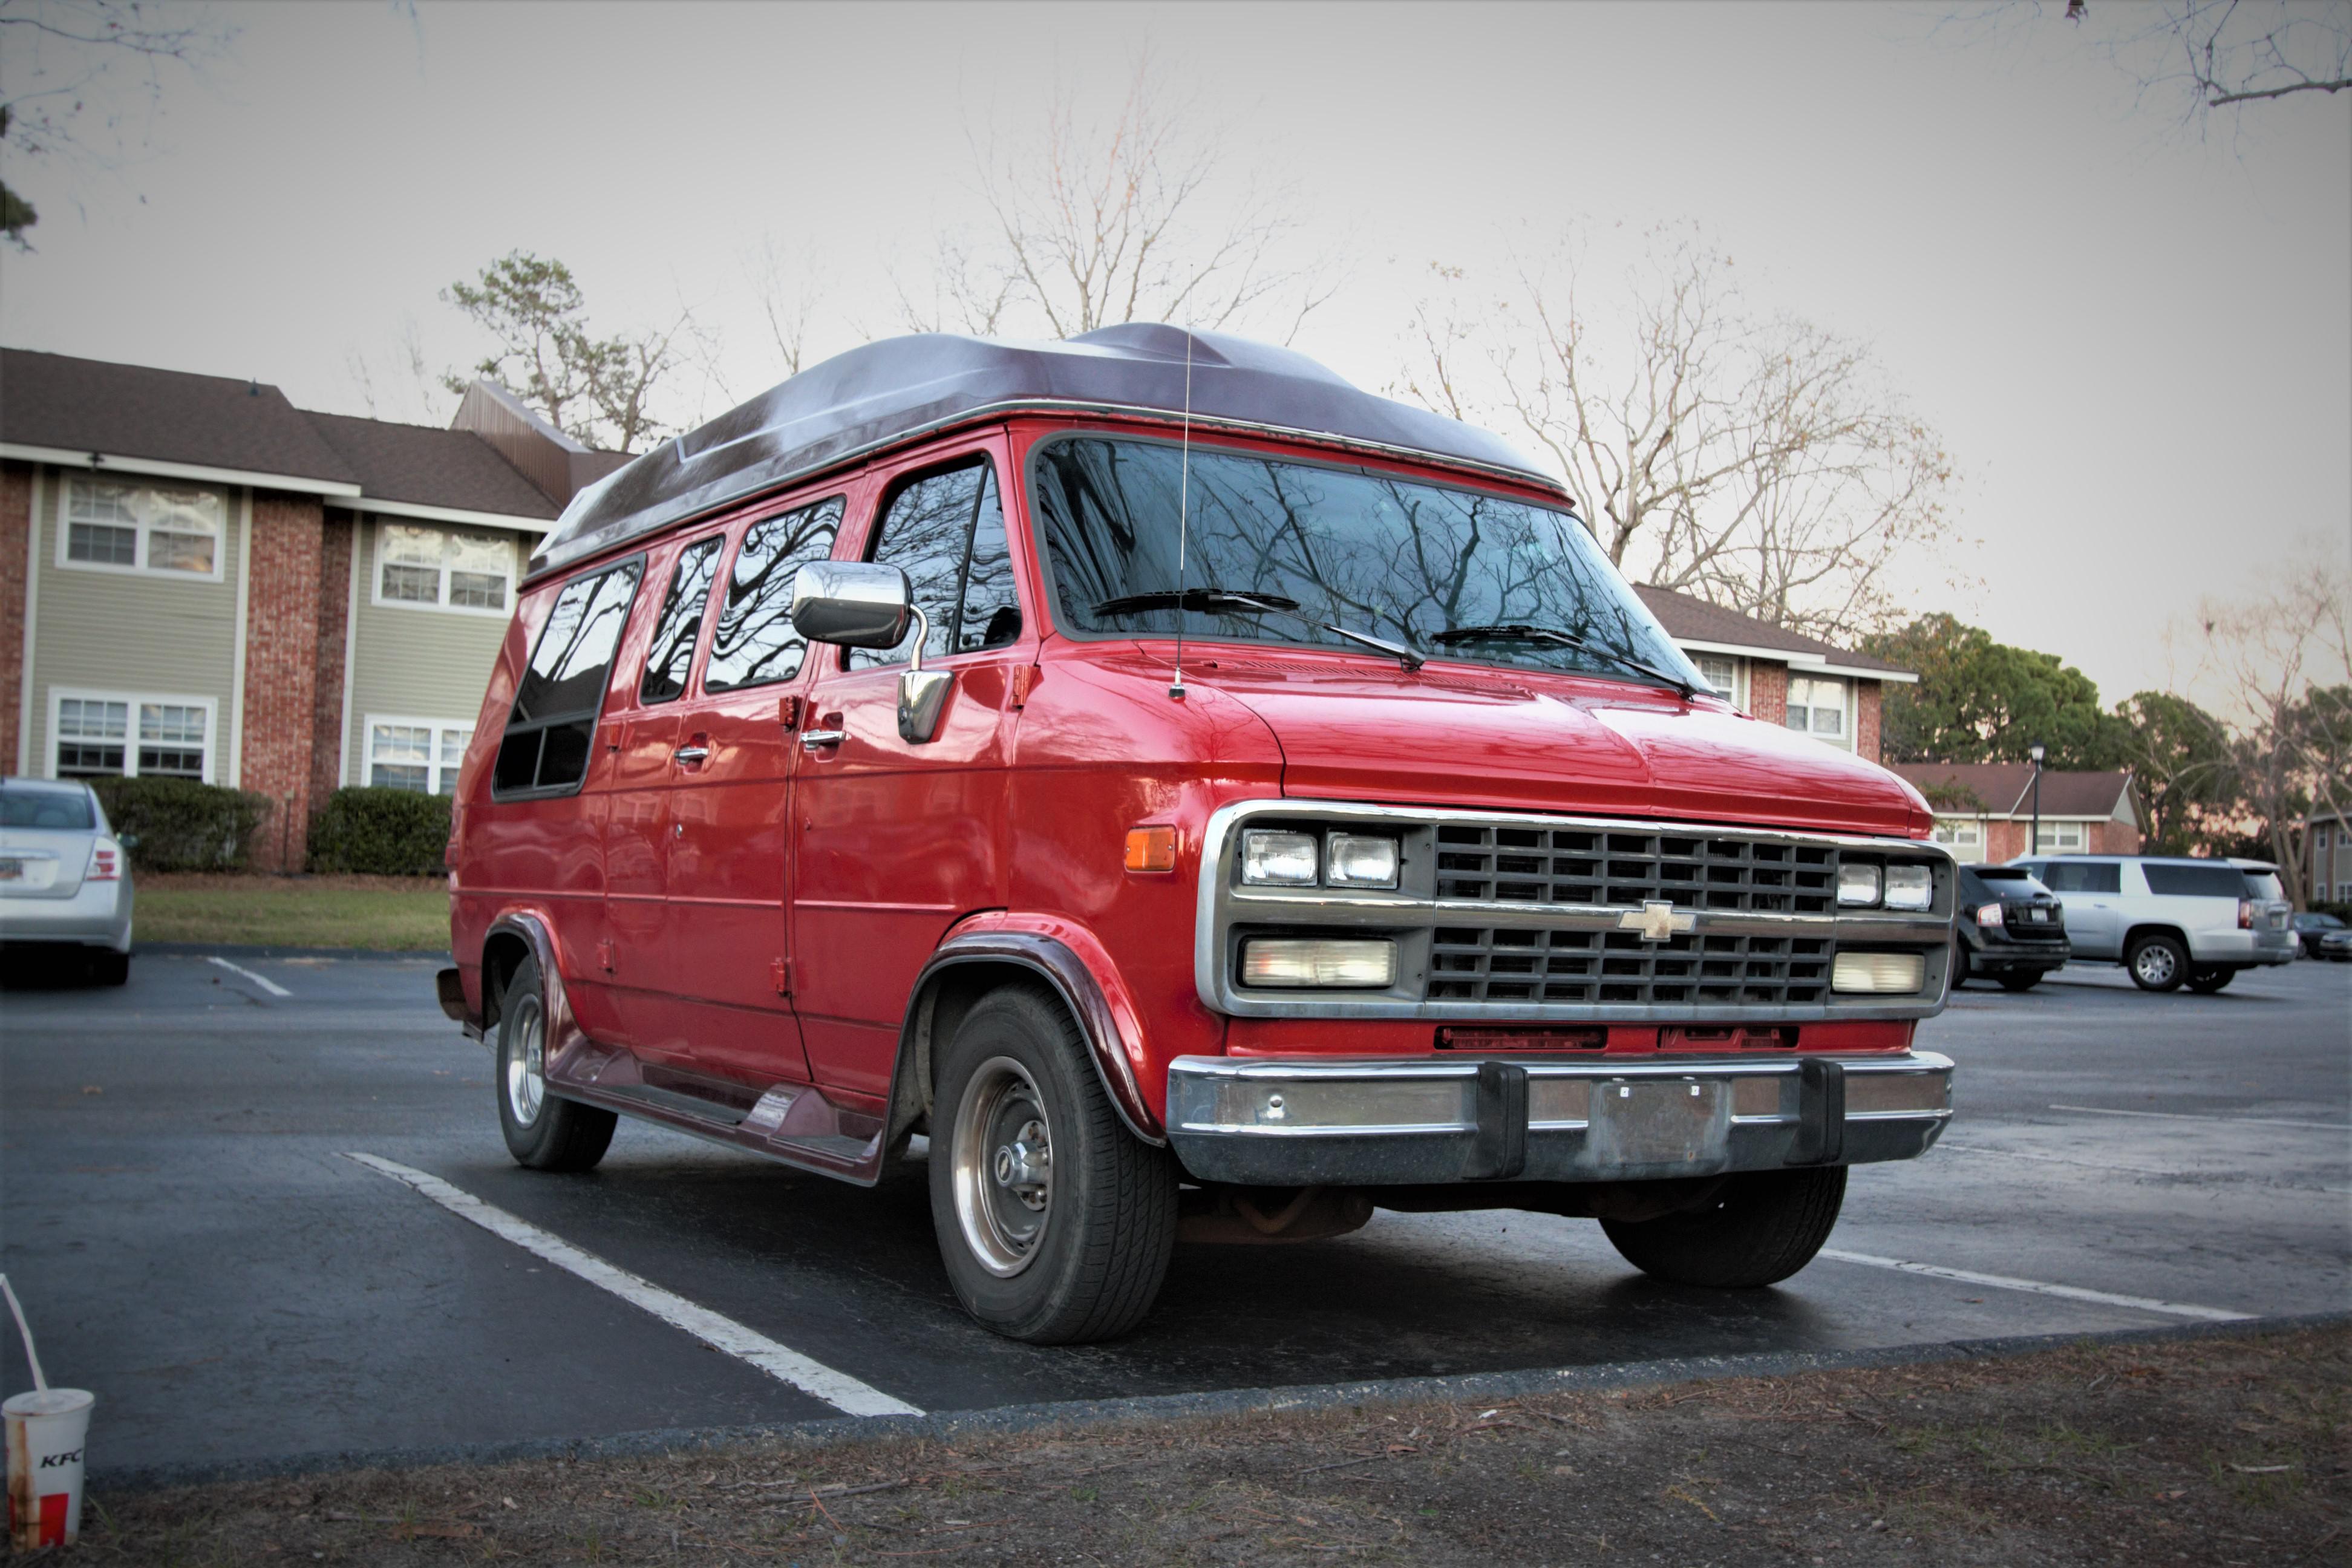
58, 60
2196, 56
789, 290
1093, 221
1758, 463
2285, 659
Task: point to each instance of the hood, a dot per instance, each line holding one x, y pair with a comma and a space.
1519, 741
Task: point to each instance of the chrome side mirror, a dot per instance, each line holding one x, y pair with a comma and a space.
861, 603
856, 604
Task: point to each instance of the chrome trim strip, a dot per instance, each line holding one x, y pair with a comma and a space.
1219, 901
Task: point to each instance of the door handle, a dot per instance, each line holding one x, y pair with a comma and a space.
818, 740
691, 755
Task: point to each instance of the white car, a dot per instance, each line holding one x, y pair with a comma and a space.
65, 879
2171, 920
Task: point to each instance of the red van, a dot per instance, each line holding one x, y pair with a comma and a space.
1201, 799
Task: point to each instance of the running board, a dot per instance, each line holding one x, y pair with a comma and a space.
790, 1122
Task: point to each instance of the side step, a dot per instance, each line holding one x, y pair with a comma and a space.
792, 1123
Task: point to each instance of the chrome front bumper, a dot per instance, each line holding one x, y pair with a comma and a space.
1358, 1121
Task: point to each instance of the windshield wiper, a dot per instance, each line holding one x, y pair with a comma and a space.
1214, 599
1515, 631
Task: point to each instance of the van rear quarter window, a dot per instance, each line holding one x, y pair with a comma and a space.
545, 747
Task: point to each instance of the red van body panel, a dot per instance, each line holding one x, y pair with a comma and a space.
761, 915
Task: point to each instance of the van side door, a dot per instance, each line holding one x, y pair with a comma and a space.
726, 961
899, 838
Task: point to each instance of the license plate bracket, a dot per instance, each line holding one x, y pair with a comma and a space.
1661, 1126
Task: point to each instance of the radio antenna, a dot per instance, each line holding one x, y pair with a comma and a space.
1183, 515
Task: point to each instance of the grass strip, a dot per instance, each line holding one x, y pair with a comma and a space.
399, 914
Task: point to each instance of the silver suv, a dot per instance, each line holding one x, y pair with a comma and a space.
2171, 920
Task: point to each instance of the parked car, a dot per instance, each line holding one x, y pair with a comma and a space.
2336, 946
1199, 797
2012, 928
2171, 922
2311, 927
65, 877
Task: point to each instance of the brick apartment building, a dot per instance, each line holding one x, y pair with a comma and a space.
1985, 811
2328, 859
200, 580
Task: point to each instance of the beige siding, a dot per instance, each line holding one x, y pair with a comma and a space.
416, 662
112, 631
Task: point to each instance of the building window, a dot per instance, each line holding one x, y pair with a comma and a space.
1964, 839
419, 754
443, 568
114, 526
112, 734
2060, 838
1721, 671
2323, 841
1817, 707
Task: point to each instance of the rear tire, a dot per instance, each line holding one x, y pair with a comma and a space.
1961, 973
542, 1133
1055, 1222
107, 967
2205, 981
2021, 982
2158, 964
1757, 1230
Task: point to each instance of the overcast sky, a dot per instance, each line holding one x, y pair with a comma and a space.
2137, 343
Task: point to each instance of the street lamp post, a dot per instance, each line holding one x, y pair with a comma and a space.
2035, 752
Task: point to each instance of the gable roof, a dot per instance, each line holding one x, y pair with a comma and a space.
1689, 620
2005, 789
86, 406
899, 387
426, 466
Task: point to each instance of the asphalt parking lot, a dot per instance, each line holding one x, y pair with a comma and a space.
194, 1243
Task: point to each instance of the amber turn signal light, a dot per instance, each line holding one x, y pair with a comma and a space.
1152, 849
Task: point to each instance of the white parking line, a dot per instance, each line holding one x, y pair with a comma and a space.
2041, 1287
781, 1362
2160, 1172
261, 980
2178, 1116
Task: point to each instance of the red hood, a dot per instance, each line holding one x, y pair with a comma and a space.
1523, 741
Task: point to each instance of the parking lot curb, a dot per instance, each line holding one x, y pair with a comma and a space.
247, 950
1484, 1387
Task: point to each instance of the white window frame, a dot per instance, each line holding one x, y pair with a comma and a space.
433, 765
139, 567
1738, 695
2052, 826
440, 607
1964, 837
62, 695
1844, 739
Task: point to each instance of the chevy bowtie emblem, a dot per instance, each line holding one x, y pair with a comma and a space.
1656, 921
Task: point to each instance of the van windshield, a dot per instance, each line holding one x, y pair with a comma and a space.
1450, 573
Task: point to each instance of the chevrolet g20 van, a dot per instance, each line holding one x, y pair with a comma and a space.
1199, 798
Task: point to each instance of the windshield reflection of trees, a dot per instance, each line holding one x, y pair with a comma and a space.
1377, 553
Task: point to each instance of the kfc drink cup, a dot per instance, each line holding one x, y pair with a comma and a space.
46, 1429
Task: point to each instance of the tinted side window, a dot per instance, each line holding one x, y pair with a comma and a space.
2084, 877
545, 746
755, 643
680, 625
2195, 881
946, 531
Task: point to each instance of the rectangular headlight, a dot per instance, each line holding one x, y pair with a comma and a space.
1356, 860
1319, 961
1910, 886
1857, 884
1878, 972
1273, 858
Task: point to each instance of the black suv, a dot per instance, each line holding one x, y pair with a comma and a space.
2012, 928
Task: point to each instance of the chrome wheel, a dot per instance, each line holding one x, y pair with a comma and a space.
2153, 965
523, 1039
1003, 1167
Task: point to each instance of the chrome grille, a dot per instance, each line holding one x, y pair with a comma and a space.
1563, 866
1471, 963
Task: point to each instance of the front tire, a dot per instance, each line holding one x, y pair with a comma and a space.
1757, 1230
2025, 982
107, 967
1961, 971
2158, 964
2205, 981
1055, 1222
542, 1133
